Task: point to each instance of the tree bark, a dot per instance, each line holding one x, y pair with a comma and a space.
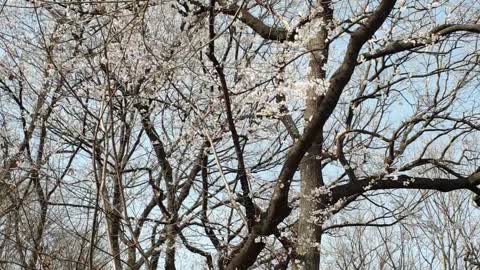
309, 230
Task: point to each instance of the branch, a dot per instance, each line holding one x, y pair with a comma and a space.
363, 224
242, 173
412, 43
197, 167
198, 251
156, 142
337, 193
257, 25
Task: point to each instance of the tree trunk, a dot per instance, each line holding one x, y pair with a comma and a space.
309, 226
171, 233
170, 247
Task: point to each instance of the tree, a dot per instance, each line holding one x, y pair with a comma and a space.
141, 131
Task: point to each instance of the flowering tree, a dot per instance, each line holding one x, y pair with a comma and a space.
248, 133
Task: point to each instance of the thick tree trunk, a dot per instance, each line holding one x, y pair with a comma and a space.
171, 233
309, 231
170, 248
114, 223
309, 227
